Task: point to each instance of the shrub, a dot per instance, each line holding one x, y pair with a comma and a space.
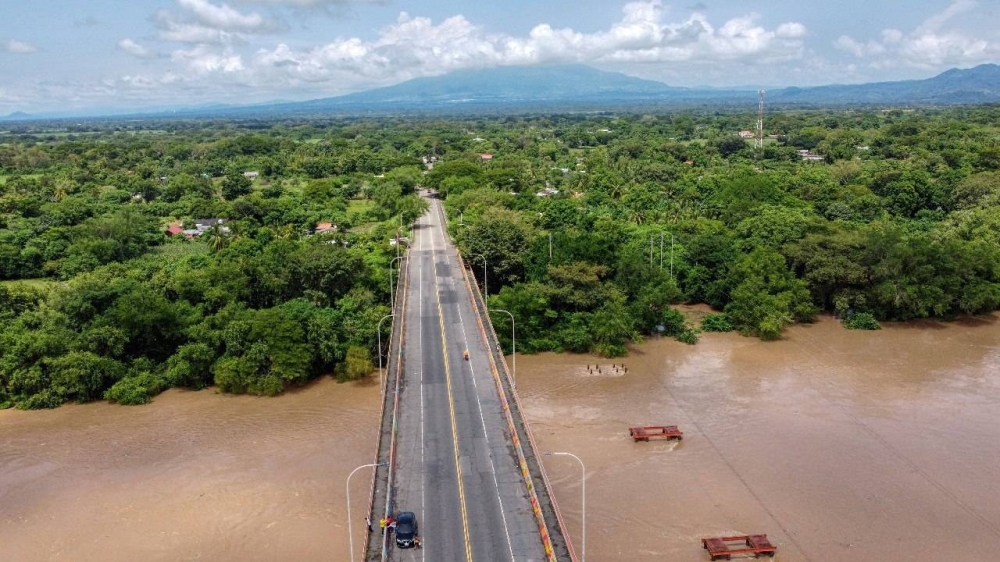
356, 365
716, 323
688, 336
135, 390
861, 321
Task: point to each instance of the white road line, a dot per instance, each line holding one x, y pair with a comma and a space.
489, 451
423, 441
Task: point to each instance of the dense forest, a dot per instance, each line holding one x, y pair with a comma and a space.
255, 255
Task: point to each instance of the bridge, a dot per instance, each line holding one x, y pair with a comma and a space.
453, 447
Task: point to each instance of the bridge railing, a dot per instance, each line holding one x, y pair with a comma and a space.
551, 526
380, 502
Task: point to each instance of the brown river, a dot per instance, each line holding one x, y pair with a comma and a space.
839, 445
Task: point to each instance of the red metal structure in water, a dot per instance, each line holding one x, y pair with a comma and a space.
722, 548
655, 432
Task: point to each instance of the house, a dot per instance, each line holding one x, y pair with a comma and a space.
251, 175
174, 229
486, 157
203, 225
810, 157
747, 134
326, 228
547, 192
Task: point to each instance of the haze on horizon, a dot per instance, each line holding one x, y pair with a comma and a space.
110, 55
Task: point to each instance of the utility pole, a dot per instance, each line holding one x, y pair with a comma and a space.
671, 256
650, 251
661, 251
759, 141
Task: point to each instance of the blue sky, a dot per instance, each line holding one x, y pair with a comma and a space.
62, 55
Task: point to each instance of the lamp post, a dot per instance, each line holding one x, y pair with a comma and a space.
392, 299
583, 503
486, 285
513, 342
350, 531
378, 332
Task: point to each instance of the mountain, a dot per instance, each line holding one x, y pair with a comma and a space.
578, 86
16, 116
556, 88
974, 85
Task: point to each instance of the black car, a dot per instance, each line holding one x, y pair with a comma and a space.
406, 529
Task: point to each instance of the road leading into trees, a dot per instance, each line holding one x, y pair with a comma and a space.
455, 464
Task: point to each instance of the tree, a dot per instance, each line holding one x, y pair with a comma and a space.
236, 185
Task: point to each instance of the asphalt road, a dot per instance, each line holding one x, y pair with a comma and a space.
455, 465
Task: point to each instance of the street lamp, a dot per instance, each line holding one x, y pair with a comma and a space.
350, 531
513, 342
378, 332
583, 504
392, 299
486, 285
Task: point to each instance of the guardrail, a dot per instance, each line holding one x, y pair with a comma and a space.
558, 548
394, 370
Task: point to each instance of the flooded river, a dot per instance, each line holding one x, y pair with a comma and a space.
839, 445
192, 476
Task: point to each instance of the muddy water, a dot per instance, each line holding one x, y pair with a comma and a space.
839, 445
192, 476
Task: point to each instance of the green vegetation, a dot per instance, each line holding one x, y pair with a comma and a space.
593, 228
861, 321
97, 300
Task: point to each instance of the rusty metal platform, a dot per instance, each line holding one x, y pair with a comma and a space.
655, 432
723, 548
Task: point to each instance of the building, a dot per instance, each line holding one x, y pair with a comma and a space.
326, 228
174, 229
202, 226
747, 134
810, 157
250, 175
486, 157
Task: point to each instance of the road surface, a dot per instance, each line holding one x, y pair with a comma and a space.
455, 465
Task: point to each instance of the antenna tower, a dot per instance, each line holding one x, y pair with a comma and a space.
759, 141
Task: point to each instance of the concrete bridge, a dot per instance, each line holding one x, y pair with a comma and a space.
453, 447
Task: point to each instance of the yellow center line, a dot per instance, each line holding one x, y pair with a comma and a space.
451, 408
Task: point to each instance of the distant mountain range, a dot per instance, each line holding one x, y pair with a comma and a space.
564, 87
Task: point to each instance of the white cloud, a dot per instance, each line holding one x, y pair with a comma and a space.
930, 45
202, 59
791, 31
314, 3
19, 47
135, 49
222, 16
416, 46
204, 22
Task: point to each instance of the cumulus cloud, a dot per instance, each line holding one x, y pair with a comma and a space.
202, 59
930, 45
202, 21
417, 46
314, 3
19, 47
136, 50
222, 16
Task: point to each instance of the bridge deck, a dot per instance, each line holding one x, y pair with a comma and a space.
455, 465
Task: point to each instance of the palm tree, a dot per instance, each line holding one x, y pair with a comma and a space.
217, 239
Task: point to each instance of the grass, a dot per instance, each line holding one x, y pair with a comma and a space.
39, 283
358, 206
